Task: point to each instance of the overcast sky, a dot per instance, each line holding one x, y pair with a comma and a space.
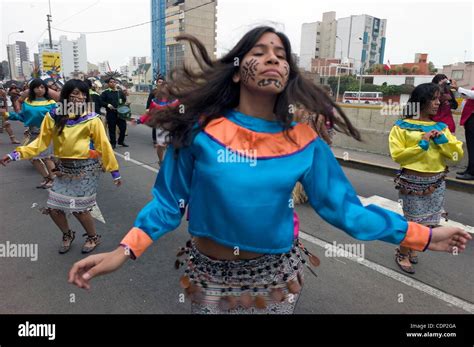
443, 29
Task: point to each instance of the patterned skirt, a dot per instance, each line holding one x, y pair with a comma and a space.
75, 186
422, 198
270, 284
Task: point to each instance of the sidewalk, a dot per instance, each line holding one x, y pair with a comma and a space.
385, 165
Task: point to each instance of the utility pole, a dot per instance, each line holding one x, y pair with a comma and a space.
48, 16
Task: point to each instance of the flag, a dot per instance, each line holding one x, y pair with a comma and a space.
387, 66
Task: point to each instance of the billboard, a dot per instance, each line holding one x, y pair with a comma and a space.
51, 62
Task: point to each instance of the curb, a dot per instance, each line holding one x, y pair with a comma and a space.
451, 183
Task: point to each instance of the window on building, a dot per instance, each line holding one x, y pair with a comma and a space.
318, 33
457, 74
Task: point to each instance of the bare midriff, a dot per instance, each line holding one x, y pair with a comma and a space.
423, 174
217, 251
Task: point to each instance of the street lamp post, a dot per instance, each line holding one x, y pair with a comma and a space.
8, 47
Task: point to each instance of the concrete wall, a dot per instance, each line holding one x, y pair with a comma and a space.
138, 102
369, 120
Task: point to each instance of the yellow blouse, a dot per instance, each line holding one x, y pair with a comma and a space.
74, 141
408, 148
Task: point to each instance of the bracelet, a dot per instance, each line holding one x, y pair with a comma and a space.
429, 239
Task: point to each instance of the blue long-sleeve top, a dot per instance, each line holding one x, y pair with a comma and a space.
32, 112
244, 200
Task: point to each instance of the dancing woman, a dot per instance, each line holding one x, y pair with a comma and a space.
33, 110
422, 146
74, 189
160, 102
4, 124
234, 157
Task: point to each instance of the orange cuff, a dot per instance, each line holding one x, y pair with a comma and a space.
137, 240
418, 237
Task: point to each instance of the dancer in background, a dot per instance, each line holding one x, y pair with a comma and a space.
33, 110
422, 146
159, 81
160, 102
4, 124
74, 190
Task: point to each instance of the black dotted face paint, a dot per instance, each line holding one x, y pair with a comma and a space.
269, 81
249, 70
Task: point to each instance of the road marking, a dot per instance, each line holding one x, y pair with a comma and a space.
137, 162
448, 298
395, 207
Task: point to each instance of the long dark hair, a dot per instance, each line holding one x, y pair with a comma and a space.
453, 103
208, 93
35, 83
162, 91
62, 117
420, 98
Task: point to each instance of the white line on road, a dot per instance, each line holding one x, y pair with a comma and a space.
450, 299
395, 207
465, 305
126, 158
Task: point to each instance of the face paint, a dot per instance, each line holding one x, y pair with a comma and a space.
287, 69
267, 82
248, 70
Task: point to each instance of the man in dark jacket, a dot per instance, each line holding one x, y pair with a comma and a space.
111, 99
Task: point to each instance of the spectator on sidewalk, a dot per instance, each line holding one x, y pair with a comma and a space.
421, 147
467, 121
447, 102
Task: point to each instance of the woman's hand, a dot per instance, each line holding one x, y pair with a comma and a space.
447, 239
118, 182
95, 265
427, 136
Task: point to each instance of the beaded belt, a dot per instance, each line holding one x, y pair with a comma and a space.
246, 282
77, 168
418, 185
